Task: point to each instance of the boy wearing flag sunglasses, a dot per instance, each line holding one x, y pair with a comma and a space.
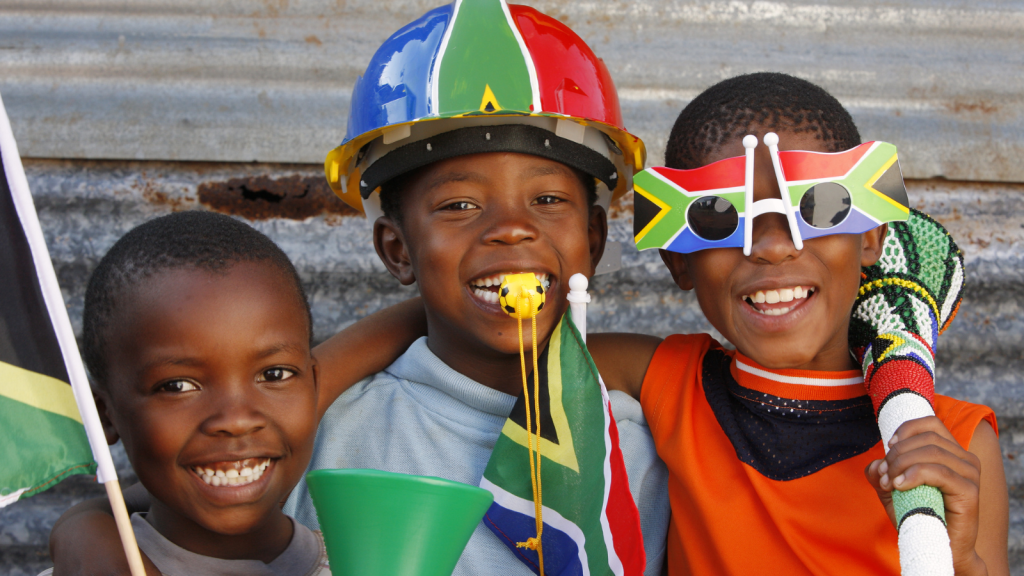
766, 219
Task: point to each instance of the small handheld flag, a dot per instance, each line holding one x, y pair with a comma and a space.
45, 397
587, 522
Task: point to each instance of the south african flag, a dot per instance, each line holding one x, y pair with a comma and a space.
591, 524
42, 439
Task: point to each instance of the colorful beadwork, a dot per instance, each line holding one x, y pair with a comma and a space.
906, 300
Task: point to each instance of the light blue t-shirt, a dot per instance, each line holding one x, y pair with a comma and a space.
421, 417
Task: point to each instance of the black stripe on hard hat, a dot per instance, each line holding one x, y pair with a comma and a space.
480, 139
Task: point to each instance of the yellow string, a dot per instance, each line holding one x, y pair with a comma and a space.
538, 507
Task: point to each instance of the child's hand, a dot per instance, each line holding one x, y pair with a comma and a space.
923, 451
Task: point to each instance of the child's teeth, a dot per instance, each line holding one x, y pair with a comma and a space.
786, 295
771, 296
798, 292
232, 476
759, 297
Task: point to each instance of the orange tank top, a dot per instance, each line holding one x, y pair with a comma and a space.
766, 467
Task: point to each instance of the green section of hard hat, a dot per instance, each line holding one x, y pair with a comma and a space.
385, 524
483, 67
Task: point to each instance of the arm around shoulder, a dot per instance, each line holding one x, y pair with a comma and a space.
367, 347
622, 359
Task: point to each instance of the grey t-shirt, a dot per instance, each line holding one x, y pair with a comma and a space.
420, 416
304, 556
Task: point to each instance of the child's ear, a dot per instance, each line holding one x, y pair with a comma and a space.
597, 235
109, 430
389, 240
676, 264
872, 243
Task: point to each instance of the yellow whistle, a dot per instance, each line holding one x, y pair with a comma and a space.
521, 295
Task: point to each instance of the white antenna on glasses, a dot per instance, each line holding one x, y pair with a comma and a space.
749, 142
771, 140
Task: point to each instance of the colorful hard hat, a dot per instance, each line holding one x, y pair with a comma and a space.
482, 76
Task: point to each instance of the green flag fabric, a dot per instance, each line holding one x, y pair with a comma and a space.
42, 439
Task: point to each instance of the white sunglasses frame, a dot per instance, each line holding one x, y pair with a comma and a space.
781, 205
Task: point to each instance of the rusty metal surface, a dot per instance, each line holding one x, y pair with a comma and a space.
270, 81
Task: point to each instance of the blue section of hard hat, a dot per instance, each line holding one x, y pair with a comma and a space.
396, 85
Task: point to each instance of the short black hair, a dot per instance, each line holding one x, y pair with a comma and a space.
195, 240
391, 191
771, 99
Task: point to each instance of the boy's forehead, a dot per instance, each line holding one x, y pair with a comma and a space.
175, 292
480, 167
799, 138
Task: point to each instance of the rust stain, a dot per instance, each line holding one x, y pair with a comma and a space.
958, 106
312, 39
175, 203
261, 197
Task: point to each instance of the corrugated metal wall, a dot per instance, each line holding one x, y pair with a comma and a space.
130, 110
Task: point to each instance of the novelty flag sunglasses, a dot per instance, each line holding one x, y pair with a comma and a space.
713, 206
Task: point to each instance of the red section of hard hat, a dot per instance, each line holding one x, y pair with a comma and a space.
572, 80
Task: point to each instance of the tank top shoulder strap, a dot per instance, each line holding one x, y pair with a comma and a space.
962, 418
673, 370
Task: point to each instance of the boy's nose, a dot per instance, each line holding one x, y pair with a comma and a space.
510, 226
771, 242
234, 415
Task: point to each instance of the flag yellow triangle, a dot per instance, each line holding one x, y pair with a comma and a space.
489, 103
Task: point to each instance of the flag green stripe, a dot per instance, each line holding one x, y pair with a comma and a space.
39, 448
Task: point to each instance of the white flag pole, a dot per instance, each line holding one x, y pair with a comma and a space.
105, 472
578, 300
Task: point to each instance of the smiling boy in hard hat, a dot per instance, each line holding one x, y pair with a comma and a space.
484, 140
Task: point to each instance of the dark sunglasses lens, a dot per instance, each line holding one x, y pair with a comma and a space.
825, 205
712, 218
